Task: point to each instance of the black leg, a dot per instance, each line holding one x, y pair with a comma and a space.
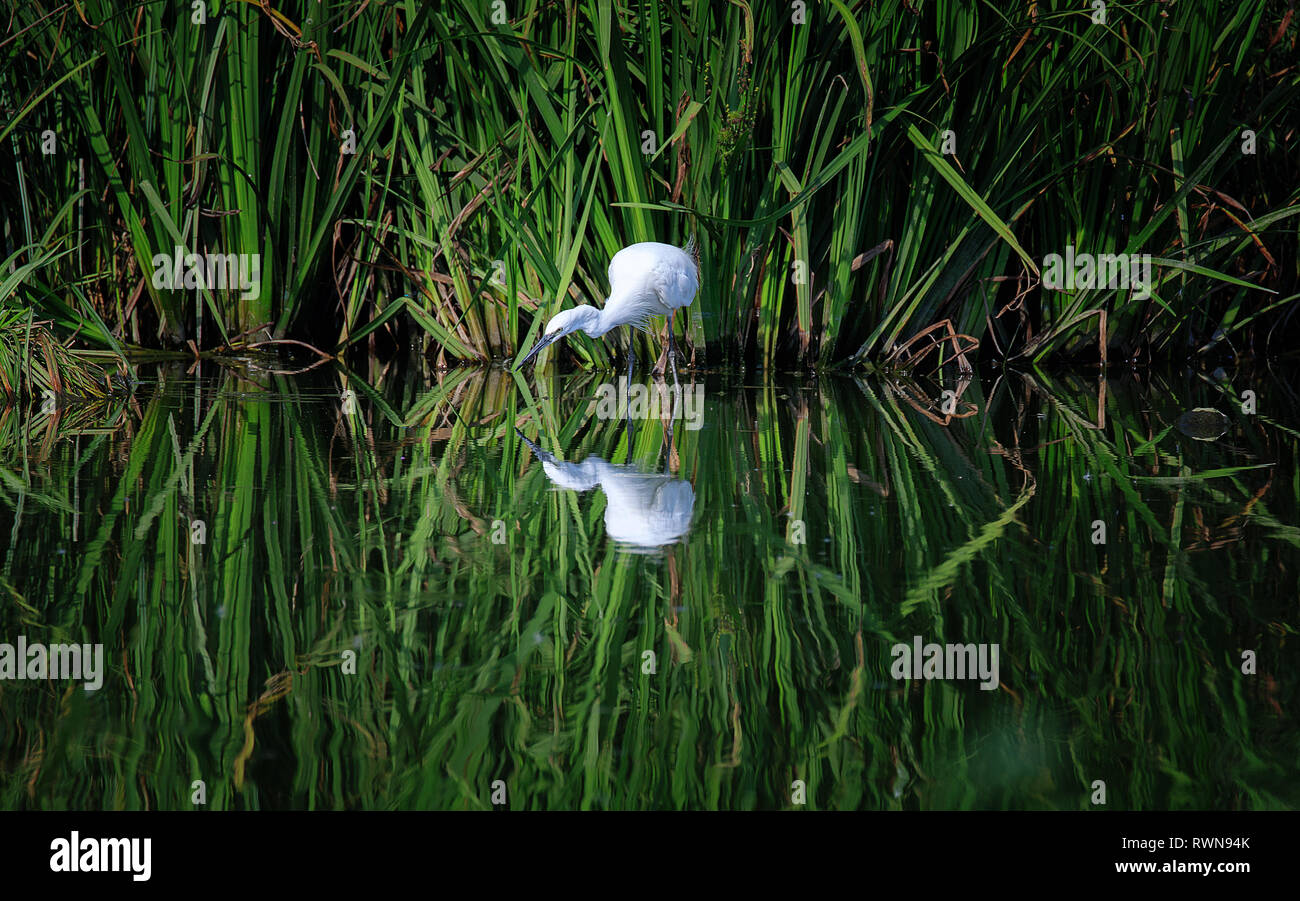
631, 361
672, 347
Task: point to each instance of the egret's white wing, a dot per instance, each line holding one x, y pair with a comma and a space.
677, 278
653, 275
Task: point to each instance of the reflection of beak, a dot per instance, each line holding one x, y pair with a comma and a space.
546, 341
524, 438
541, 454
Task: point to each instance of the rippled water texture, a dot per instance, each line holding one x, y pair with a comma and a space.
312, 593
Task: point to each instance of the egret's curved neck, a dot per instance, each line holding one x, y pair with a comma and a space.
598, 321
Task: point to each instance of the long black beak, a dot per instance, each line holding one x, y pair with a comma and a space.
546, 341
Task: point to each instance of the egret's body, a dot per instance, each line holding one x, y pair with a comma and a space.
645, 280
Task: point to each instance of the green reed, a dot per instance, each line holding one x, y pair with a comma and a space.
430, 175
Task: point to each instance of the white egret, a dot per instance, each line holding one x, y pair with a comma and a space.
645, 280
644, 511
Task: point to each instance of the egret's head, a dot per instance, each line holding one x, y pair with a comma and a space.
563, 323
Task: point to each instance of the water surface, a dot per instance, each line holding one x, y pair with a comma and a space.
314, 593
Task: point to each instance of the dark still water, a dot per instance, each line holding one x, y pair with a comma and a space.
306, 592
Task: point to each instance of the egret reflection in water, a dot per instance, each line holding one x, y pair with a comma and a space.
644, 511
